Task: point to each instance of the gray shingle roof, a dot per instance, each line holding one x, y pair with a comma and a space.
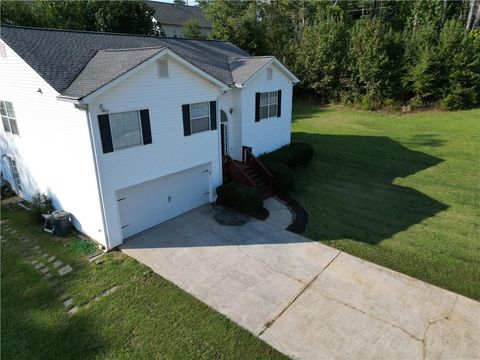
243, 68
176, 14
105, 66
60, 55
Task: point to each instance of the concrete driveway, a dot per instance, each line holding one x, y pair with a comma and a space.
305, 299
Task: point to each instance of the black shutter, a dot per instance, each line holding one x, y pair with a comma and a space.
213, 115
257, 107
186, 120
279, 103
105, 133
146, 131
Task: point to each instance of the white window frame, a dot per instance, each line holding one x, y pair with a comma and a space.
199, 117
111, 121
268, 105
9, 118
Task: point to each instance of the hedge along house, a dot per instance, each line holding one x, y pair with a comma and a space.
127, 131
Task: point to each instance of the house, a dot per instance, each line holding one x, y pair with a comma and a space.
172, 17
126, 131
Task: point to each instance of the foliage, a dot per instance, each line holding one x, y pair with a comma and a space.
283, 177
371, 53
6, 190
240, 197
84, 247
41, 204
133, 17
292, 155
191, 29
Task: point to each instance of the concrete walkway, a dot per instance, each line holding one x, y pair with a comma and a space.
280, 215
305, 299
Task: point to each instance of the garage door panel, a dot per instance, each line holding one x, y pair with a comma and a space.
148, 204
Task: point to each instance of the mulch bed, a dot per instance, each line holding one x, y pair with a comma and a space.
300, 222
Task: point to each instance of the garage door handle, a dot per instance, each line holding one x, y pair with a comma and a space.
123, 227
121, 199
205, 171
208, 192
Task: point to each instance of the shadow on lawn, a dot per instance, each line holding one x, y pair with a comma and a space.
348, 187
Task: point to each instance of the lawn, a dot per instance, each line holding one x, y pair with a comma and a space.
398, 190
147, 317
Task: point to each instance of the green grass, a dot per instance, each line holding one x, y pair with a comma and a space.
146, 318
398, 190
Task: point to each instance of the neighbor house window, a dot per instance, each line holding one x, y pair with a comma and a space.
8, 117
199, 117
268, 104
126, 129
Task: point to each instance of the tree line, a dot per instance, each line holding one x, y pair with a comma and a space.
373, 53
376, 53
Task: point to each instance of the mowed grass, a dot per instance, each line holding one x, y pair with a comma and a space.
398, 190
147, 317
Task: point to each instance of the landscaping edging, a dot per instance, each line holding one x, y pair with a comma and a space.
301, 215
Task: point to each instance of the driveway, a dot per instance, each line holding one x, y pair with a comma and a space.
305, 299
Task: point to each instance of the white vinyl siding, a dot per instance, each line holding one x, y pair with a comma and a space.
268, 104
8, 117
200, 117
126, 129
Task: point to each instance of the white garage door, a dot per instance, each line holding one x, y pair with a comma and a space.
148, 204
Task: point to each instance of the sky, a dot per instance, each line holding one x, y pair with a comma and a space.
189, 2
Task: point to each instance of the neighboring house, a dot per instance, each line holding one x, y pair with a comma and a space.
127, 131
172, 17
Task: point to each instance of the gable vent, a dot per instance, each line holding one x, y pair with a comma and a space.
162, 66
269, 74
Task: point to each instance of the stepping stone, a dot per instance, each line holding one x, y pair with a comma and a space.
39, 265
68, 302
37, 247
47, 275
57, 263
24, 254
51, 259
65, 270
72, 310
34, 262
44, 270
46, 255
30, 257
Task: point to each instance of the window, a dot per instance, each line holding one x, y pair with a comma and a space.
126, 129
162, 66
269, 74
199, 117
268, 104
8, 117
15, 174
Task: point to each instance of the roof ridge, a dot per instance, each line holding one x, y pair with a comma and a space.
134, 49
110, 33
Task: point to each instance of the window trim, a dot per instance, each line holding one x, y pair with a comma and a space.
268, 105
9, 118
199, 117
139, 121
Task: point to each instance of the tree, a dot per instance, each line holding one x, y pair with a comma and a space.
376, 62
191, 29
114, 16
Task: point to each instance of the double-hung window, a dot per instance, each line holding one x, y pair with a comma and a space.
126, 129
268, 104
200, 117
9, 119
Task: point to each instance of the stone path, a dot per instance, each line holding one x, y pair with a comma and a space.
280, 214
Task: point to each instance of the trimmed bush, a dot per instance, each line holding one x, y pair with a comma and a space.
41, 204
295, 154
240, 197
283, 177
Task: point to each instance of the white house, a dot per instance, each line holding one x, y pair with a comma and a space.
172, 18
126, 131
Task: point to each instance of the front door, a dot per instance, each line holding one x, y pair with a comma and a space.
224, 132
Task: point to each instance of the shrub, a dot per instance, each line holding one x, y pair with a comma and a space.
41, 204
6, 190
240, 197
283, 177
292, 155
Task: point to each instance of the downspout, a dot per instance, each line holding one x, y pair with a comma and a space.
97, 173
